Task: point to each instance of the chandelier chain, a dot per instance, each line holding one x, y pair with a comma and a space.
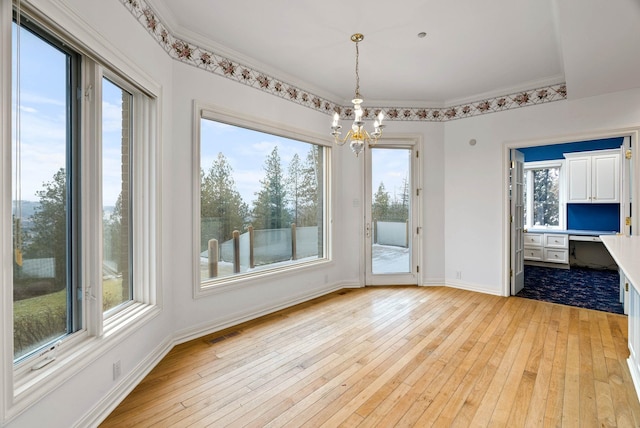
357, 72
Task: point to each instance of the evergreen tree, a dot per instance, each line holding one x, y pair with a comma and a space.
546, 196
269, 209
309, 203
49, 227
115, 246
399, 210
221, 207
113, 235
294, 187
380, 208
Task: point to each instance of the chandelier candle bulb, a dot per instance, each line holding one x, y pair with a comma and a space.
336, 119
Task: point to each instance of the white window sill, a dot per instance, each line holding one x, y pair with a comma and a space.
242, 280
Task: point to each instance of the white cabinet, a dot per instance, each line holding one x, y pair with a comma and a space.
546, 247
593, 177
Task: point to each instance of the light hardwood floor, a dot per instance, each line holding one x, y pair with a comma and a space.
397, 356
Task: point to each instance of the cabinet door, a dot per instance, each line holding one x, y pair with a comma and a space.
605, 182
579, 179
553, 255
556, 240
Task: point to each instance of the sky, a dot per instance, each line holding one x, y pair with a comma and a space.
42, 119
43, 134
246, 151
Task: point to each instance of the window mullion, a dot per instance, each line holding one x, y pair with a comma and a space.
92, 198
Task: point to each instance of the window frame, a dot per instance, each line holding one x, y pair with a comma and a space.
529, 167
21, 386
218, 114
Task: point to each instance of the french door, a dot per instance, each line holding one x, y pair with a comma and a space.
516, 194
392, 206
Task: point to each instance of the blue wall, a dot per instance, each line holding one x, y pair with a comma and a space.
599, 217
556, 151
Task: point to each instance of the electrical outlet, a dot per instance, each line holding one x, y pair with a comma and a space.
117, 370
458, 274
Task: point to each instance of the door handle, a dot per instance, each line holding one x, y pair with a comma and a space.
368, 229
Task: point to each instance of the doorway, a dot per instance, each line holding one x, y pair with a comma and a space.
569, 210
392, 208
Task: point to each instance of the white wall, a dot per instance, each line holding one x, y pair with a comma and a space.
474, 205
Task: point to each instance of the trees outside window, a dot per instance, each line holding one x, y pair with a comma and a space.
543, 195
261, 201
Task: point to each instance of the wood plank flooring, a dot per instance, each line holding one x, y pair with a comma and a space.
397, 356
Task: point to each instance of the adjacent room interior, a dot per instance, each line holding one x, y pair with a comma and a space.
565, 260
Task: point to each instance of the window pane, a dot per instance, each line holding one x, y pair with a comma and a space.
41, 186
116, 200
261, 198
390, 251
546, 197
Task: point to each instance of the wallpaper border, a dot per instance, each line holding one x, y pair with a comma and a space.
207, 60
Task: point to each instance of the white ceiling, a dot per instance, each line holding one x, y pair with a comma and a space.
473, 49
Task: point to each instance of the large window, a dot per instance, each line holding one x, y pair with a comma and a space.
544, 196
45, 191
262, 201
84, 209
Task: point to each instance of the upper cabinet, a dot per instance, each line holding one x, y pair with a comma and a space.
593, 177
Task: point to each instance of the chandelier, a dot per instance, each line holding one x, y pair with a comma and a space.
357, 135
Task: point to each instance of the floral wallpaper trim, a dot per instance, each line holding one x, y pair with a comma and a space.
196, 56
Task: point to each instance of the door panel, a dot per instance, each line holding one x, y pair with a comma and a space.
390, 229
517, 221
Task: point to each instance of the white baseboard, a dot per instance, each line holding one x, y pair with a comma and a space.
214, 325
472, 287
433, 282
110, 401
635, 375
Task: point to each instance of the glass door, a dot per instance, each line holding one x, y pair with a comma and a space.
390, 229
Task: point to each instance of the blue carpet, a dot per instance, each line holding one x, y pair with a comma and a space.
581, 287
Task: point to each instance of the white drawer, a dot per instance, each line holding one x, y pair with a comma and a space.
533, 239
556, 240
556, 256
533, 254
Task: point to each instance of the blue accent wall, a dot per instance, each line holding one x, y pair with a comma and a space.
557, 151
600, 217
